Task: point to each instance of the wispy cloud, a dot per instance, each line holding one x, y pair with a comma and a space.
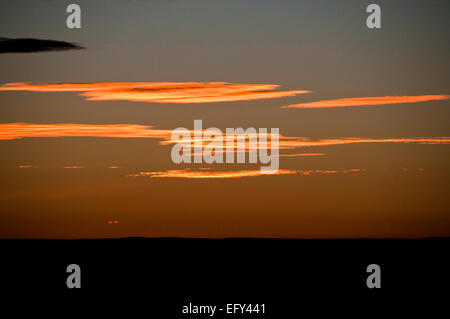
366, 101
289, 142
10, 131
302, 154
161, 92
73, 167
205, 174
304, 142
353, 170
29, 45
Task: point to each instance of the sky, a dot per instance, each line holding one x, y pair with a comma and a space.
86, 117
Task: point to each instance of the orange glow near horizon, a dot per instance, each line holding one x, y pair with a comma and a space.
161, 92
367, 101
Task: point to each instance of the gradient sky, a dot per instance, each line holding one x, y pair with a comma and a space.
368, 156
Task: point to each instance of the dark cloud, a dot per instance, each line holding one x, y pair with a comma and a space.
28, 45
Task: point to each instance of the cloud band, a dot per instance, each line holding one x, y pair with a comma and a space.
367, 101
161, 92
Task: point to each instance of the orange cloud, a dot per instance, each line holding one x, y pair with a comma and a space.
303, 142
161, 92
353, 170
73, 167
287, 142
205, 174
10, 131
302, 154
363, 101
